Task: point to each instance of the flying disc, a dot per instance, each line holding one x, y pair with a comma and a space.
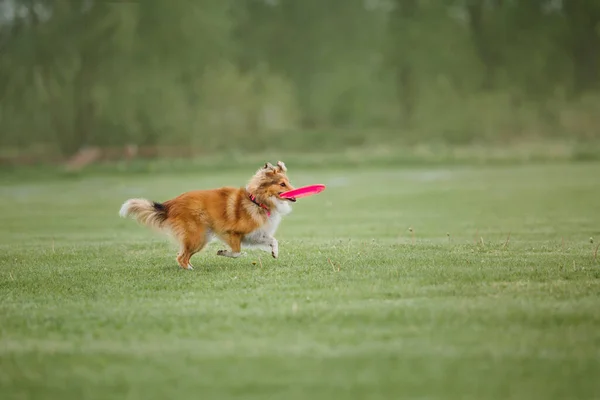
303, 191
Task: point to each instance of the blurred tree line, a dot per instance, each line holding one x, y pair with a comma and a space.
217, 74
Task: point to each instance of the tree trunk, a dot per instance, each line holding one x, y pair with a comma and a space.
84, 107
483, 45
401, 19
584, 43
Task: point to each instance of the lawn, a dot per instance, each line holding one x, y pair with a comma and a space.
393, 283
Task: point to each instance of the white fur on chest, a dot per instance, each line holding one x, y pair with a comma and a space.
282, 208
257, 237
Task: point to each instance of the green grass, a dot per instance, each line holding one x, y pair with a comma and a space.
94, 307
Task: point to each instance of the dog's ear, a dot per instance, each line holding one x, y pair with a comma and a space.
281, 166
268, 165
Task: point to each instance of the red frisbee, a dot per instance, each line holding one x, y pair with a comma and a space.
303, 191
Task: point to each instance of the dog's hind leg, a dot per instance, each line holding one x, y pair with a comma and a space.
192, 243
234, 240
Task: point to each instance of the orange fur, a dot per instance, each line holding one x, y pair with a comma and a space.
229, 214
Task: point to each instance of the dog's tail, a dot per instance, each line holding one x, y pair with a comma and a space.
146, 212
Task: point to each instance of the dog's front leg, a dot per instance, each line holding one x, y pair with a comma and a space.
270, 243
264, 241
274, 247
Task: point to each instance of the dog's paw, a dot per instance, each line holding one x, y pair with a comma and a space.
275, 249
222, 252
190, 268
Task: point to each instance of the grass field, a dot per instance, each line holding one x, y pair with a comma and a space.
357, 306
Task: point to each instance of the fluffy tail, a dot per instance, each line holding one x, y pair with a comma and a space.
146, 212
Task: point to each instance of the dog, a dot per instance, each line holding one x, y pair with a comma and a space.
239, 217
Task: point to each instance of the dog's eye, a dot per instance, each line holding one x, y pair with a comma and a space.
282, 184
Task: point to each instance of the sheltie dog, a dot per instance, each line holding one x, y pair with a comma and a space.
239, 217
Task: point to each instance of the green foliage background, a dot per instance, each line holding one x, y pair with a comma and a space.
212, 75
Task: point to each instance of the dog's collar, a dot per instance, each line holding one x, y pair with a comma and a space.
253, 199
